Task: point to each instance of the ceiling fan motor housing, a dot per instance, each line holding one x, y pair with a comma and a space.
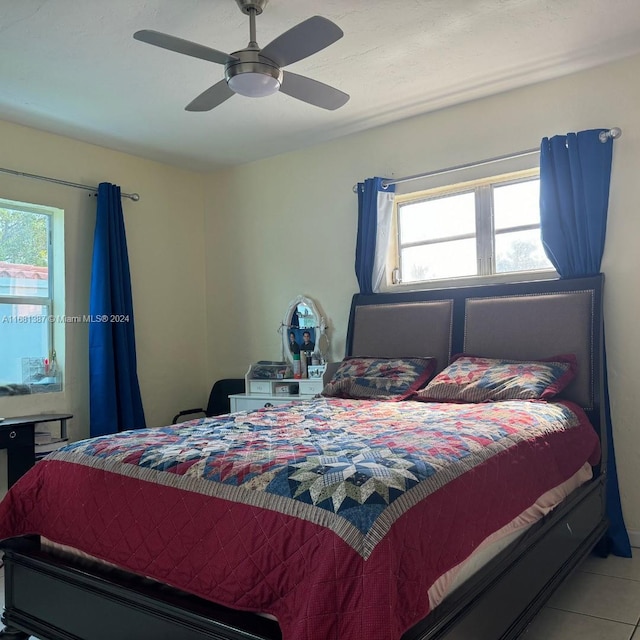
252, 75
247, 6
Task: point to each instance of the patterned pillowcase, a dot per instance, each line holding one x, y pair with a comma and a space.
379, 378
473, 379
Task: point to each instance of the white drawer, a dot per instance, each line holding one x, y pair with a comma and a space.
248, 403
310, 387
259, 386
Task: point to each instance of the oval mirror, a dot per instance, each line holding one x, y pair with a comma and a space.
303, 329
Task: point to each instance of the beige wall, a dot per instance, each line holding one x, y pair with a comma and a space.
166, 255
286, 226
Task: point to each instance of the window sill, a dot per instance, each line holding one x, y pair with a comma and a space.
521, 276
10, 390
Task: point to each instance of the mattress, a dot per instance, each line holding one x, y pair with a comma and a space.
338, 517
491, 546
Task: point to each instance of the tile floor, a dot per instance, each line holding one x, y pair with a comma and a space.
600, 601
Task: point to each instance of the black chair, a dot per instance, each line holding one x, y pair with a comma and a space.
218, 399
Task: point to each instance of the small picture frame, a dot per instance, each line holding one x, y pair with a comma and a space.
316, 371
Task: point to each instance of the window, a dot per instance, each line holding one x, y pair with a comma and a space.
480, 228
26, 297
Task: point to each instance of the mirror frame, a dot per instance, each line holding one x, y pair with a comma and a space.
320, 327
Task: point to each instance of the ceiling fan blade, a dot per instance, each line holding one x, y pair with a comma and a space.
211, 98
312, 91
188, 48
305, 39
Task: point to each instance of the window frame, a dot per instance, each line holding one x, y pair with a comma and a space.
41, 301
485, 233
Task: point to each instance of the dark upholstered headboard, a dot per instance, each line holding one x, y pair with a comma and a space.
537, 326
404, 329
531, 320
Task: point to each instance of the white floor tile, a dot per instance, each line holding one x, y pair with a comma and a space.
614, 566
601, 596
553, 624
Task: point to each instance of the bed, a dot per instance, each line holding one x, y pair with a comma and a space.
337, 571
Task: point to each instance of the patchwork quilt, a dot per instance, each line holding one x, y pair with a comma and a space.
335, 516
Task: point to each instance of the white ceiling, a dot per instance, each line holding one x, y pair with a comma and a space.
73, 68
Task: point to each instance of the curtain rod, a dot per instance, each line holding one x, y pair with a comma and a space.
133, 196
614, 133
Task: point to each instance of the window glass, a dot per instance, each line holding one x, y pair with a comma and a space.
24, 329
435, 261
516, 204
520, 251
24, 253
437, 218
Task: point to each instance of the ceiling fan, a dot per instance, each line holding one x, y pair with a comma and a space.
256, 72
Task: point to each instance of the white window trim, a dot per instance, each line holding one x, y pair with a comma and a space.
484, 277
55, 300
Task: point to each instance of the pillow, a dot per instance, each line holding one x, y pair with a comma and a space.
379, 378
473, 379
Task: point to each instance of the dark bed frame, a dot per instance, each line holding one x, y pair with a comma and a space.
57, 598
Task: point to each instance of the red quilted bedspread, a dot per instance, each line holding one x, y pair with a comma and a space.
336, 516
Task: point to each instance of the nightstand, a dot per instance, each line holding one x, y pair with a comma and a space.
17, 436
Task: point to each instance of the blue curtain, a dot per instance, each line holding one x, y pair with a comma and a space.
115, 402
375, 209
575, 172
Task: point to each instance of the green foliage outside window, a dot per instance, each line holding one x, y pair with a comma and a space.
23, 238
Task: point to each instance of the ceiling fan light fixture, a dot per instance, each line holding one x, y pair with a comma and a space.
254, 85
254, 79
